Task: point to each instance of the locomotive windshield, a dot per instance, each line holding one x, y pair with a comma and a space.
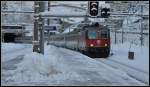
92, 34
104, 34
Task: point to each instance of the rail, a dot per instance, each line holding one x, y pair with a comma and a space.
129, 70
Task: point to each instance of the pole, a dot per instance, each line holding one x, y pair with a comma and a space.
141, 26
48, 20
41, 23
48, 23
35, 36
115, 36
122, 35
41, 35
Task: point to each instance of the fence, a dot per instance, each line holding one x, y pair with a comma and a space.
129, 37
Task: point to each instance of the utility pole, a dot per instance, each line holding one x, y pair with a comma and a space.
122, 36
122, 33
35, 36
115, 36
141, 26
38, 46
41, 28
86, 18
48, 20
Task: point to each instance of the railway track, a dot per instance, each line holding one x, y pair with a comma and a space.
131, 71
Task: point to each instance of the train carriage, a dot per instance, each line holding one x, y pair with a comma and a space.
91, 39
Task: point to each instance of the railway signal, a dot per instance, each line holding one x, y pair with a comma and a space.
93, 8
105, 12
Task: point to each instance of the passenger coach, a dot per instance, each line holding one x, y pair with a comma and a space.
90, 39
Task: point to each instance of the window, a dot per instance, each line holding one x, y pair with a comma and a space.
104, 34
92, 35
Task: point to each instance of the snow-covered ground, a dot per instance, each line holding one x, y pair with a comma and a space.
140, 61
58, 66
11, 50
7, 47
141, 55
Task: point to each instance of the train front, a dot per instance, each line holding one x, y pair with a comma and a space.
98, 42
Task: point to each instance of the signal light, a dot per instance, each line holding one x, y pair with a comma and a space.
105, 12
91, 45
93, 8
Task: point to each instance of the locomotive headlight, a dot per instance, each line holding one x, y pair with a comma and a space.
105, 44
91, 45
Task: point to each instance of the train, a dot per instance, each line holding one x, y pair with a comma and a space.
92, 39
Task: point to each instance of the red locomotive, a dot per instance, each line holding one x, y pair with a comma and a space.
91, 39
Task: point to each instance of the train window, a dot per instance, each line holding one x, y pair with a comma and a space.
92, 35
104, 34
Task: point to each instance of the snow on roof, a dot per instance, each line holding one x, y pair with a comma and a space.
12, 24
73, 20
64, 13
70, 28
105, 5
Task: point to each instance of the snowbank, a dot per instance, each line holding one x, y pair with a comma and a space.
59, 66
39, 68
8, 47
141, 55
137, 67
